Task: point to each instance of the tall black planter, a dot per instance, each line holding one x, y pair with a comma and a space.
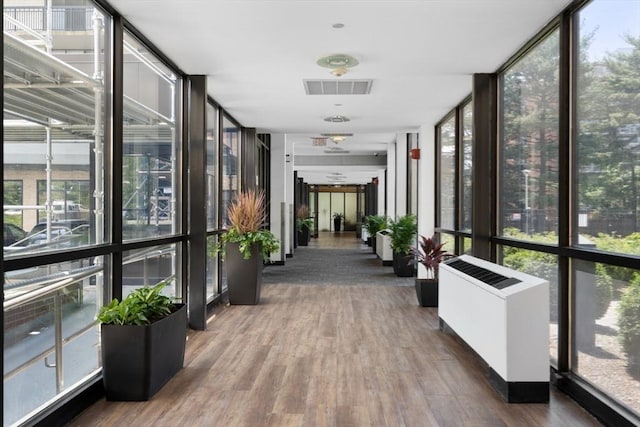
303, 236
244, 276
403, 265
337, 222
138, 360
427, 292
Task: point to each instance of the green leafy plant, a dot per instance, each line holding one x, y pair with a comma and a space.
338, 215
375, 223
629, 324
141, 307
303, 219
430, 254
246, 215
402, 233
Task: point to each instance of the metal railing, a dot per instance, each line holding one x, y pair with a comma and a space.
67, 18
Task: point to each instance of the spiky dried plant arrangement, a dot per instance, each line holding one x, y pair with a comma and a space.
246, 215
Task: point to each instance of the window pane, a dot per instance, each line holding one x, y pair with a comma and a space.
150, 190
529, 143
62, 313
212, 167
541, 265
230, 165
447, 173
467, 166
151, 266
607, 336
449, 242
53, 126
608, 124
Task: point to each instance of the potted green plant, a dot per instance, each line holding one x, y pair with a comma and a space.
402, 233
304, 224
374, 224
244, 245
337, 221
430, 254
142, 343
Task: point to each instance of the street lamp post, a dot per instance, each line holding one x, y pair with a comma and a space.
526, 172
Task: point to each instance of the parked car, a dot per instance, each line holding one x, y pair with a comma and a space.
67, 233
12, 234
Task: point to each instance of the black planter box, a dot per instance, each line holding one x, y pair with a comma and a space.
427, 292
244, 276
138, 360
303, 236
403, 265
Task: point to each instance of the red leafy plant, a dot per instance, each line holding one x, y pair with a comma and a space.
429, 253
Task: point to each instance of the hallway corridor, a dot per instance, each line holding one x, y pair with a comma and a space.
337, 340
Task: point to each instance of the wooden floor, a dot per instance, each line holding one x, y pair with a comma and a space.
331, 353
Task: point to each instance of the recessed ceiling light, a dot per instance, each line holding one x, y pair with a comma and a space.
338, 25
337, 119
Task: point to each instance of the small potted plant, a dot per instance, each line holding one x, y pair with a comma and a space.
430, 254
304, 224
402, 233
337, 221
142, 342
245, 245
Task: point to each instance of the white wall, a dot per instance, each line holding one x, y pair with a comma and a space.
426, 186
382, 185
391, 180
278, 191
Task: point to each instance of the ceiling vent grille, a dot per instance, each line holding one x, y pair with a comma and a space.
337, 87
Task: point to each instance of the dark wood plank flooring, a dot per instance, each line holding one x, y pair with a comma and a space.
336, 341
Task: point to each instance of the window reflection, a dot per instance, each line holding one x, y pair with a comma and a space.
608, 122
529, 143
447, 174
149, 167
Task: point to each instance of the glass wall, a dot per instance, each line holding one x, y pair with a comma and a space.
54, 200
447, 155
466, 208
608, 126
592, 240
150, 193
607, 332
529, 143
212, 169
607, 144
230, 165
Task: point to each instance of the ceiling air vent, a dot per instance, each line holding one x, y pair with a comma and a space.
337, 87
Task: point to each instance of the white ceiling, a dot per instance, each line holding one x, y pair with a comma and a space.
420, 54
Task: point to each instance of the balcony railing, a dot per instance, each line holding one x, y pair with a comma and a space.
67, 18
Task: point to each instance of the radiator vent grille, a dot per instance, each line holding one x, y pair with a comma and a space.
489, 277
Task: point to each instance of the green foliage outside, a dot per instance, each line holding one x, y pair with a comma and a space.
629, 324
545, 265
403, 233
141, 307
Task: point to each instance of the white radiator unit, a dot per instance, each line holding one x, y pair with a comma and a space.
503, 315
383, 247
